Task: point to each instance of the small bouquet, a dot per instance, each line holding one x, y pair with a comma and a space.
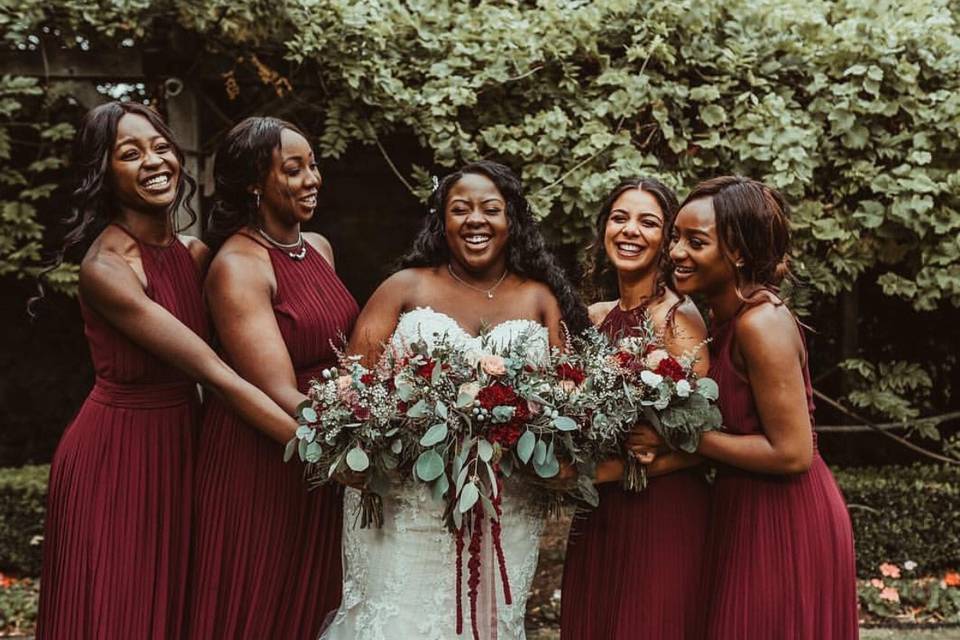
349, 423
661, 389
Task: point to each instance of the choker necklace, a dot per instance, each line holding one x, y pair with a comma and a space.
487, 292
296, 250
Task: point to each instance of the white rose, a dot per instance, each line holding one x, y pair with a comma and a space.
683, 388
650, 378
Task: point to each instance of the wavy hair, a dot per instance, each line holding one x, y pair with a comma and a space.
598, 272
243, 158
527, 253
92, 201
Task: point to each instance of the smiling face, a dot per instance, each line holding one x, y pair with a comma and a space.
144, 169
700, 263
633, 235
476, 225
289, 191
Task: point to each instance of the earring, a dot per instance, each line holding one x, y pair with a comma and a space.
739, 264
257, 195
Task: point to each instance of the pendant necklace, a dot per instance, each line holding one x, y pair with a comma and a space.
487, 292
296, 250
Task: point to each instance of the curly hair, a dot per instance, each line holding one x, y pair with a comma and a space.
92, 202
598, 271
752, 219
527, 254
243, 158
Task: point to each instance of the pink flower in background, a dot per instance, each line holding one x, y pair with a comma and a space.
890, 594
877, 582
888, 570
493, 365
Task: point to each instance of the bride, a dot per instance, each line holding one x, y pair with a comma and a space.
479, 265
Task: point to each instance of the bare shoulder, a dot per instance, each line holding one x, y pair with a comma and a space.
199, 251
767, 325
688, 317
240, 258
321, 244
407, 280
599, 310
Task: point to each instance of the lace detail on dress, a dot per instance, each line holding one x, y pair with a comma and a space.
399, 581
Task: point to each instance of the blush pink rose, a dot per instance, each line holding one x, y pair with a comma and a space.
493, 365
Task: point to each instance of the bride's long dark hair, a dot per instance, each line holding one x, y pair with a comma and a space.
527, 253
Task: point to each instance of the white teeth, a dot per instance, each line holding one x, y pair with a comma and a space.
157, 182
477, 239
309, 201
680, 269
628, 247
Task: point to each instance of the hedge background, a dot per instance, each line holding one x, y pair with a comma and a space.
853, 110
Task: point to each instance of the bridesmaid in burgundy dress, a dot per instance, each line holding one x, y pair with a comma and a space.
633, 564
117, 532
780, 559
266, 551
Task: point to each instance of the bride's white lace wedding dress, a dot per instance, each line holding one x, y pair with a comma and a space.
399, 581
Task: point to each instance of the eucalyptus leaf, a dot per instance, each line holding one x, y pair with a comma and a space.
440, 487
309, 415
468, 497
563, 423
419, 410
434, 435
357, 459
429, 465
484, 450
540, 453
290, 449
525, 446
313, 452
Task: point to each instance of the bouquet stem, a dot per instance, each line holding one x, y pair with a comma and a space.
370, 512
634, 475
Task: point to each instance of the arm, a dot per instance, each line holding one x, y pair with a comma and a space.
378, 319
612, 470
239, 293
112, 289
772, 350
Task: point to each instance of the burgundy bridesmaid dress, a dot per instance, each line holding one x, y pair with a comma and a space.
267, 551
633, 566
780, 559
117, 533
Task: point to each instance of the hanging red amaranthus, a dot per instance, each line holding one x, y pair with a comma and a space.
498, 546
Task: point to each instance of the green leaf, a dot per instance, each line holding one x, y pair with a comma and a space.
419, 410
708, 388
313, 452
357, 459
309, 415
540, 453
525, 446
429, 465
440, 487
290, 449
468, 497
434, 435
484, 450
563, 423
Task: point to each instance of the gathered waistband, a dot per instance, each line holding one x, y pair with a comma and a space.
143, 396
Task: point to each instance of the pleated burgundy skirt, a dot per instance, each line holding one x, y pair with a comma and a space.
633, 567
261, 539
780, 558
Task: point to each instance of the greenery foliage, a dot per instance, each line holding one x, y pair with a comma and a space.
23, 502
851, 108
904, 513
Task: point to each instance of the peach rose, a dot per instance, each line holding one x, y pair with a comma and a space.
654, 358
493, 365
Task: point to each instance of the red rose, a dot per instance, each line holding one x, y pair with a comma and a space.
426, 369
367, 379
567, 371
496, 395
361, 413
671, 369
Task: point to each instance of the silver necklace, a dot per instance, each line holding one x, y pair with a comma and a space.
487, 292
296, 250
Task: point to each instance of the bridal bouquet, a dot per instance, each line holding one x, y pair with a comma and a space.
348, 423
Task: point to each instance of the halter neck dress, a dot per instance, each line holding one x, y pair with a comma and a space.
633, 565
117, 532
267, 550
780, 559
